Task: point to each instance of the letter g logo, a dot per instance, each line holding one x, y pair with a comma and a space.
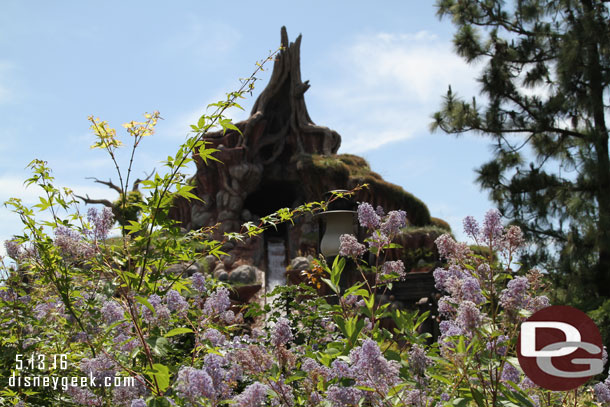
555, 344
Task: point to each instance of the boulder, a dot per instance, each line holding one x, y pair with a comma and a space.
244, 274
186, 269
221, 275
299, 263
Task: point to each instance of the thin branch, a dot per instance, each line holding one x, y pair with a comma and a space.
137, 182
88, 200
108, 183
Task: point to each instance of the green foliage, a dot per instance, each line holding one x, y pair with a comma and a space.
544, 78
440, 223
111, 308
127, 209
322, 173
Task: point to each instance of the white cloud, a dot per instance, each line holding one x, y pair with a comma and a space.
391, 86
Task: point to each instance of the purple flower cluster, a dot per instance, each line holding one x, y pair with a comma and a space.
537, 303
371, 369
344, 396
460, 285
101, 222
229, 316
468, 316
282, 333
198, 283
7, 294
449, 328
340, 369
498, 344
378, 241
127, 395
446, 307
394, 222
50, 309
124, 341
450, 249
84, 396
217, 302
510, 373
112, 312
161, 313
350, 300
493, 233
513, 237
350, 247
418, 360
470, 290
416, 398
443, 276
254, 358
471, 227
72, 245
602, 391
215, 337
13, 249
138, 403
282, 393
194, 383
214, 366
515, 297
368, 217
492, 226
99, 367
176, 302
391, 271
253, 396
315, 370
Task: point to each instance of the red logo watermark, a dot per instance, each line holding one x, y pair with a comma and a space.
560, 348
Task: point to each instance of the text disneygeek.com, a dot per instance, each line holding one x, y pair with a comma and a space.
41, 362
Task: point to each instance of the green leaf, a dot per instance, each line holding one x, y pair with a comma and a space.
392, 355
201, 121
159, 402
441, 379
206, 154
159, 345
462, 402
365, 388
296, 376
332, 285
478, 397
161, 374
178, 331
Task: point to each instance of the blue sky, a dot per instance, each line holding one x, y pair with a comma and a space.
377, 74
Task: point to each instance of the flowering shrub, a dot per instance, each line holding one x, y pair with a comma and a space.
110, 311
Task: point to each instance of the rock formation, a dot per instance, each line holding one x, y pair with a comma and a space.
284, 159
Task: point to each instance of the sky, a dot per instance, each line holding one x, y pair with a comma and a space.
377, 72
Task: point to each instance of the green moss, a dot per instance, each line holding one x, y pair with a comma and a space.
130, 210
428, 229
440, 223
322, 173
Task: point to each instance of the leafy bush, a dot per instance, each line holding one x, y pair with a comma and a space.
77, 306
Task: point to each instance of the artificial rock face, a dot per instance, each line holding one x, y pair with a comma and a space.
282, 160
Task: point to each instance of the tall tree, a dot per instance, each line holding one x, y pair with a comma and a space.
545, 88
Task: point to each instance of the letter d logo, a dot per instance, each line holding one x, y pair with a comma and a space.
560, 348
